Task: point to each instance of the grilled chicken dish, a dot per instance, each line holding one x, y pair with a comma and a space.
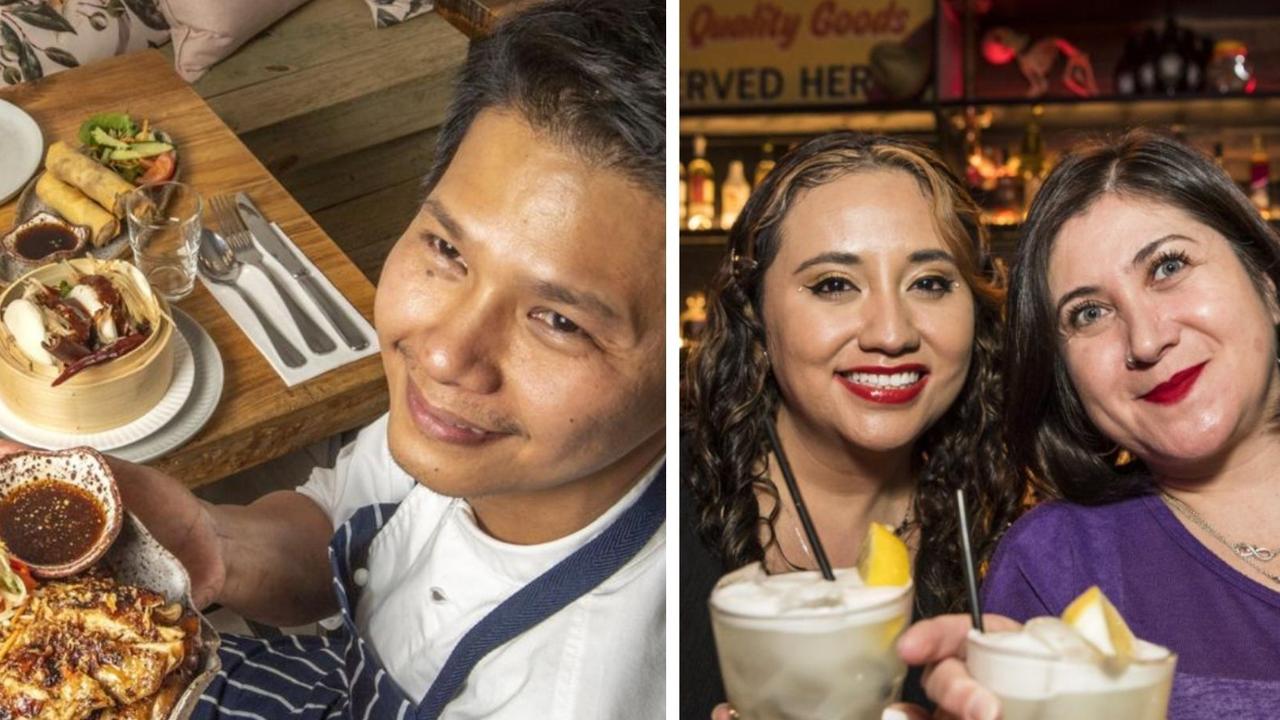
90, 647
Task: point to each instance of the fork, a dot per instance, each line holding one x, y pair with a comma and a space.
231, 227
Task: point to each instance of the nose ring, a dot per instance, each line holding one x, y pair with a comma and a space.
1129, 362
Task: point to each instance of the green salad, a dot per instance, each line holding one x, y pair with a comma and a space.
136, 152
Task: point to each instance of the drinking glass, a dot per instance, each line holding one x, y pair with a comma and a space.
165, 221
1040, 686
830, 662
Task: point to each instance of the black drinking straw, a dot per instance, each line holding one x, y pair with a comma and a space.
970, 574
809, 530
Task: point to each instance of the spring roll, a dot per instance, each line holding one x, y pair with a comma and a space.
101, 184
77, 209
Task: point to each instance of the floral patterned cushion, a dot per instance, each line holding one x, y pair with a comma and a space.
42, 37
393, 12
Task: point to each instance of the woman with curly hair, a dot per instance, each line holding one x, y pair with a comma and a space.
859, 311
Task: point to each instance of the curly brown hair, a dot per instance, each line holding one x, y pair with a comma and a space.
730, 393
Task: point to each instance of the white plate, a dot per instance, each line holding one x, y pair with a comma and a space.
205, 396
21, 146
184, 375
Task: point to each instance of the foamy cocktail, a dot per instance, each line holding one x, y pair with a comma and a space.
1050, 671
795, 646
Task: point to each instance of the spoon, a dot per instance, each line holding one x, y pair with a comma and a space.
219, 265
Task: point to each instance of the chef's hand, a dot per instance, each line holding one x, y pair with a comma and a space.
179, 521
939, 644
174, 516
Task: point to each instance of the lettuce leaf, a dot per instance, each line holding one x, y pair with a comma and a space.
120, 123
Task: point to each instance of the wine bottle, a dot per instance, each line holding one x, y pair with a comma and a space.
1170, 64
684, 196
702, 188
1126, 75
733, 194
1259, 175
1032, 165
765, 166
1193, 70
1148, 50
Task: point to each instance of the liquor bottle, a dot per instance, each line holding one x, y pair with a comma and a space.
765, 166
684, 196
693, 321
1218, 158
1148, 50
1006, 201
1204, 55
1259, 175
702, 188
1032, 165
1170, 64
733, 194
1193, 71
1126, 76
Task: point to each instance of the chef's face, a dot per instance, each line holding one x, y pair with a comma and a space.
521, 321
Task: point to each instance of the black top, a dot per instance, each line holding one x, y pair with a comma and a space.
701, 687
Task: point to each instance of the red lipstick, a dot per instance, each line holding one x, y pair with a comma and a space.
886, 394
1175, 388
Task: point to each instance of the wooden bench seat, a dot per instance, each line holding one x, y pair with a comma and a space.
344, 114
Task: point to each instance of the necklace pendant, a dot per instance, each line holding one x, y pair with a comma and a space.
1246, 550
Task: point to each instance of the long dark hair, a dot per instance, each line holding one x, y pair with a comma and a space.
730, 393
1049, 432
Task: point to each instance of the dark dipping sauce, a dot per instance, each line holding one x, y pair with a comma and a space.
44, 239
50, 522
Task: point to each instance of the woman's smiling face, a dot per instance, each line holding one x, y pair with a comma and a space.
869, 324
1168, 342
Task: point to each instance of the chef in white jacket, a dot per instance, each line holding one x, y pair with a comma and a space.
495, 543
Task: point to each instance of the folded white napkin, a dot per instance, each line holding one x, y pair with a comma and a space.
255, 283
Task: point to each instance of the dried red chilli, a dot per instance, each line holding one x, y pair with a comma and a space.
117, 349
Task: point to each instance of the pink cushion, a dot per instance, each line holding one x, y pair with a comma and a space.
205, 32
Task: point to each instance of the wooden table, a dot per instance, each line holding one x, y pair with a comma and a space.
258, 418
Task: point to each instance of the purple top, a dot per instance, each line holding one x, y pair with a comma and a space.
1172, 590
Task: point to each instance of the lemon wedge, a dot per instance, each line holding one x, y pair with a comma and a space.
883, 559
1097, 620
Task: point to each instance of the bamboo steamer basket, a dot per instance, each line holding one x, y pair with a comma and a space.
98, 398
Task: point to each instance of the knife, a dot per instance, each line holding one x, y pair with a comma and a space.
276, 248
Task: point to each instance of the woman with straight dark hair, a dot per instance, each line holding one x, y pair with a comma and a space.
858, 310
1143, 390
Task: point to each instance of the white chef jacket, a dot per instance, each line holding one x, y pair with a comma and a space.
432, 574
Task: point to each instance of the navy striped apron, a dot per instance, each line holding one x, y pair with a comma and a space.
310, 677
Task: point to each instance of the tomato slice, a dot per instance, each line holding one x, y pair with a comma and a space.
160, 169
23, 572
